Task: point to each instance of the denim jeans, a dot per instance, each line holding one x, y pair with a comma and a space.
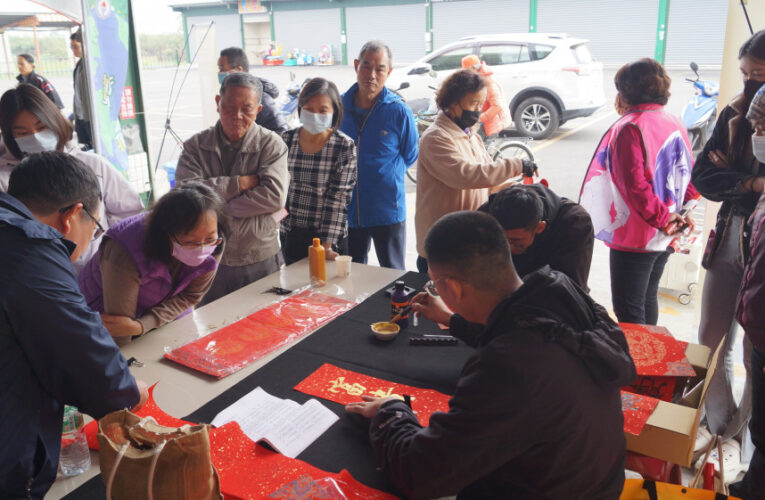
635, 284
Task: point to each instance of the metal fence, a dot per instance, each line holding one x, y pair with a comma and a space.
62, 67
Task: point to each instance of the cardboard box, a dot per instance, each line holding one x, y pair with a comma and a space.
670, 432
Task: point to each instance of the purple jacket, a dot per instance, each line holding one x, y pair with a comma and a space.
749, 309
156, 281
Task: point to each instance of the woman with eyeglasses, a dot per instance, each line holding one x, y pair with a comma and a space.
31, 123
154, 267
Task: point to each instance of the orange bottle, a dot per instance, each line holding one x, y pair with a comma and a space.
317, 266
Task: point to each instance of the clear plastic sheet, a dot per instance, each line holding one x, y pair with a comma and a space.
233, 347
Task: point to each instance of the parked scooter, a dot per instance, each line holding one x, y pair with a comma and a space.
288, 102
700, 113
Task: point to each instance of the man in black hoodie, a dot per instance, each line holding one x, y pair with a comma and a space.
544, 229
537, 410
234, 59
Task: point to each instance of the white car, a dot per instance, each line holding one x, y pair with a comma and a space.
547, 79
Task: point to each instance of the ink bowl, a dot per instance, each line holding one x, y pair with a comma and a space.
385, 330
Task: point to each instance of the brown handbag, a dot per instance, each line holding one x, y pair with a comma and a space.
143, 460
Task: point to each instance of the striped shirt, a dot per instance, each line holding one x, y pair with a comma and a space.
321, 185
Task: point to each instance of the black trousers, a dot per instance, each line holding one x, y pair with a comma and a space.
635, 284
296, 241
84, 136
390, 244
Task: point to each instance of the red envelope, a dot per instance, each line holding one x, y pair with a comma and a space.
656, 352
344, 386
235, 346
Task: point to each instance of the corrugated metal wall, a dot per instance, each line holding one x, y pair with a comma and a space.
696, 31
619, 31
228, 32
309, 30
454, 20
402, 27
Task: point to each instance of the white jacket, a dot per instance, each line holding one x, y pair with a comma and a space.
119, 198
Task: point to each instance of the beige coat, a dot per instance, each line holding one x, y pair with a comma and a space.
254, 234
454, 172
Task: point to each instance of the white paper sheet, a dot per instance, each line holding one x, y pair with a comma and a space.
284, 424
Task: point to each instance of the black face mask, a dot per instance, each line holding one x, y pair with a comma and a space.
751, 87
468, 118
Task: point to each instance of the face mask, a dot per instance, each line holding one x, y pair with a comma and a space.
315, 123
222, 76
192, 257
41, 141
758, 147
468, 118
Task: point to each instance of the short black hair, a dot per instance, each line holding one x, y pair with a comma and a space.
472, 247
320, 86
27, 97
28, 58
77, 35
179, 211
47, 182
457, 85
516, 207
236, 57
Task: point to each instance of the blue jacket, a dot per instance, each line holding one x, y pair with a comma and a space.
53, 351
387, 147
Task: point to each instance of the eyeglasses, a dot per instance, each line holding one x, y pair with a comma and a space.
200, 244
430, 286
99, 228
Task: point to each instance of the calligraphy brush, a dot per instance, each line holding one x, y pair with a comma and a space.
401, 313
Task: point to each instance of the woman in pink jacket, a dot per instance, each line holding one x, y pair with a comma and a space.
637, 182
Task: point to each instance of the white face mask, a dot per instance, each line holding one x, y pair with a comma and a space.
315, 123
45, 140
758, 147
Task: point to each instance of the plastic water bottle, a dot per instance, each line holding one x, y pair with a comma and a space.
75, 456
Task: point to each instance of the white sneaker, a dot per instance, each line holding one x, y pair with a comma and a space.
731, 460
703, 437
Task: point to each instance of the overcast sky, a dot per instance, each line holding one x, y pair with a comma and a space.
152, 16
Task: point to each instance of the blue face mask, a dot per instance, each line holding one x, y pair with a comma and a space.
45, 140
315, 123
222, 76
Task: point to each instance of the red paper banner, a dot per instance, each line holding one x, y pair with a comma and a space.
248, 470
233, 347
656, 352
344, 386
636, 409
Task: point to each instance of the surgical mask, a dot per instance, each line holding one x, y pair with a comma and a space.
315, 123
222, 76
45, 140
194, 256
758, 147
468, 118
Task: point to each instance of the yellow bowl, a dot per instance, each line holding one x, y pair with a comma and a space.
385, 330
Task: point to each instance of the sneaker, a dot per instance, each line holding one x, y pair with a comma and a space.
731, 460
703, 437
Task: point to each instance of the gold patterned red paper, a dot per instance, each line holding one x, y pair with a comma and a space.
636, 409
231, 348
248, 470
656, 352
345, 386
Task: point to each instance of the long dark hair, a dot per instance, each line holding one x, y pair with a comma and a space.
27, 97
753, 48
179, 211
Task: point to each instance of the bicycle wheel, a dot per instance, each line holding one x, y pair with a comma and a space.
513, 149
411, 172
